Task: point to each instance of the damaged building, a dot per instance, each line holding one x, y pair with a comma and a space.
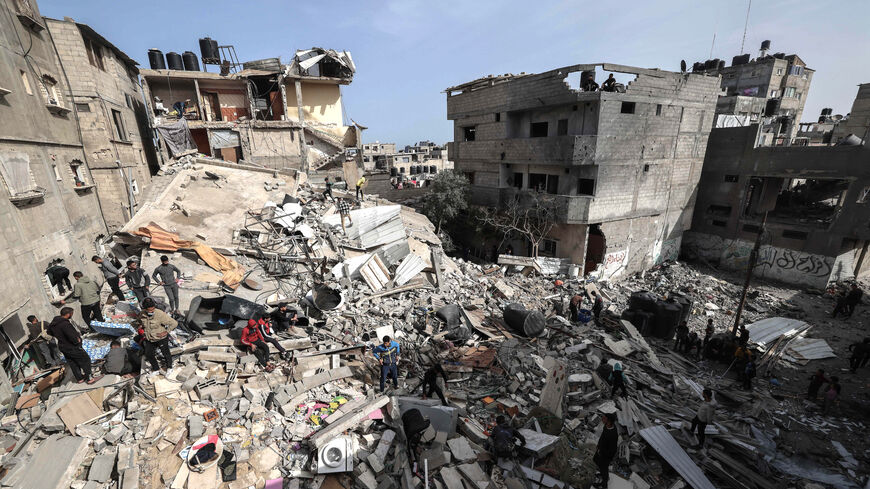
815, 199
264, 113
621, 166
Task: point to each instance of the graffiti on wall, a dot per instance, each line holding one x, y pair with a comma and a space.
614, 263
784, 259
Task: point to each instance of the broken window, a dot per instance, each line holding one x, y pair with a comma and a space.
719, 210
658, 109
732, 178
627, 108
470, 176
562, 128
468, 133
498, 116
78, 173
779, 71
773, 93
95, 54
26, 82
538, 129
129, 100
120, 130
518, 180
50, 91
800, 200
541, 182
751, 228
791, 234
83, 107
547, 248
585, 186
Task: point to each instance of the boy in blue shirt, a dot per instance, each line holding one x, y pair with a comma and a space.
388, 356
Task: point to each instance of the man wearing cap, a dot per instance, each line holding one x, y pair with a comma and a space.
157, 325
387, 355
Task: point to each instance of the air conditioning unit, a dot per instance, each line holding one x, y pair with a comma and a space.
335, 456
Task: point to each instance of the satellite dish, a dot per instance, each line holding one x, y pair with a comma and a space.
683, 65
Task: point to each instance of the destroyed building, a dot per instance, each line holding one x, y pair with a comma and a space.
857, 121
622, 166
263, 113
375, 155
815, 199
50, 208
107, 98
770, 89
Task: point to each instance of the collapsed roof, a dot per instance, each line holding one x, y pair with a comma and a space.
323, 63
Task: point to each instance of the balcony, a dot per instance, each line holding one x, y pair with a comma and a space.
570, 209
556, 150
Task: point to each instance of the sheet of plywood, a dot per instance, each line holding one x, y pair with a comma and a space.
78, 410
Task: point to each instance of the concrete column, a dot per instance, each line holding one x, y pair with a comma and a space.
303, 146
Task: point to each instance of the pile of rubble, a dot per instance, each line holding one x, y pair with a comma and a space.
216, 419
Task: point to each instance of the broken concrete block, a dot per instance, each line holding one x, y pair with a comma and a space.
126, 457
461, 449
217, 356
116, 434
384, 444
367, 479
196, 426
101, 468
130, 478
376, 464
99, 445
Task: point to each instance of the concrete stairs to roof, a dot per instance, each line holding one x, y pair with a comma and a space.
326, 137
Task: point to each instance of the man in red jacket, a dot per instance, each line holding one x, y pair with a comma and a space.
253, 339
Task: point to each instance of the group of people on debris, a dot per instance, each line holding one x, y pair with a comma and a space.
343, 204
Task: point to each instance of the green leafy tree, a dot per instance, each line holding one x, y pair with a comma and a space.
447, 197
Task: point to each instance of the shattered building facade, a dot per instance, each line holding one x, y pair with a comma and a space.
622, 166
49, 208
277, 116
375, 154
815, 198
104, 83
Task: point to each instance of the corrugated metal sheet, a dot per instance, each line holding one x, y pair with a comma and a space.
811, 349
663, 443
366, 220
767, 331
409, 268
388, 232
393, 253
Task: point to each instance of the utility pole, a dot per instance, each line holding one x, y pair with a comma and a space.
753, 259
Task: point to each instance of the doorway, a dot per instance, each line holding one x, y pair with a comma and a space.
596, 244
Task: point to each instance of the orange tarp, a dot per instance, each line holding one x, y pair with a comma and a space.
164, 240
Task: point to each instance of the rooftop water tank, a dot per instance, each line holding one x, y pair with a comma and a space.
191, 63
174, 61
155, 59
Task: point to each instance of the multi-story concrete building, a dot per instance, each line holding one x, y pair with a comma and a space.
108, 101
49, 207
772, 86
622, 166
816, 198
375, 155
857, 122
287, 117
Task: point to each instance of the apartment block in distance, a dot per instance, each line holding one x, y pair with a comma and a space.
622, 165
109, 105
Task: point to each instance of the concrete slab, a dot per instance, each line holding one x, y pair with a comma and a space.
461, 449
443, 418
101, 468
53, 464
475, 475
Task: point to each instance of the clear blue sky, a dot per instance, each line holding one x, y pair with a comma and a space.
408, 51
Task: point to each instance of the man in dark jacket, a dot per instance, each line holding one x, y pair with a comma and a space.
119, 360
58, 275
137, 280
597, 304
112, 275
860, 351
430, 383
606, 450
503, 438
283, 317
165, 275
69, 342
42, 340
682, 336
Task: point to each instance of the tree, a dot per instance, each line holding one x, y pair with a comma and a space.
447, 197
528, 214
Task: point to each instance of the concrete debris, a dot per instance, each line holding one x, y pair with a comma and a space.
314, 416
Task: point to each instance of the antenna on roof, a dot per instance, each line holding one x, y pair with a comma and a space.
745, 27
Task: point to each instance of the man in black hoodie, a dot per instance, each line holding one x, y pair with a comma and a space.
69, 342
137, 280
430, 382
607, 445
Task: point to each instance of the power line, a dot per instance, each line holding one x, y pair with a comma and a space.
745, 26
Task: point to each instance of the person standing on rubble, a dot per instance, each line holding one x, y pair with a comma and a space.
328, 191
69, 342
846, 303
112, 275
703, 417
430, 382
860, 352
708, 332
503, 439
744, 336
359, 187
157, 325
137, 280
832, 392
597, 304
252, 338
58, 275
617, 380
387, 355
574, 306
42, 341
344, 211
165, 275
682, 336
816, 382
748, 372
87, 292
606, 450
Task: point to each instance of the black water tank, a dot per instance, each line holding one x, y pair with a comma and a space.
765, 45
684, 302
394, 172
645, 322
642, 300
720, 64
523, 321
740, 60
402, 170
155, 59
208, 48
433, 169
191, 63
779, 55
174, 61
668, 315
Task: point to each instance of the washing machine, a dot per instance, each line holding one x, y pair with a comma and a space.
335, 456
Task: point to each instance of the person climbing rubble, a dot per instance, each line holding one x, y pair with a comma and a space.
617, 380
749, 373
860, 351
137, 280
112, 274
703, 417
87, 292
387, 355
283, 317
816, 381
597, 304
606, 450
156, 325
254, 341
503, 439
847, 302
574, 306
344, 211
708, 333
430, 383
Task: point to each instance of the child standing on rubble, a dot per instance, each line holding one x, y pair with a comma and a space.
816, 382
617, 380
328, 191
344, 211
